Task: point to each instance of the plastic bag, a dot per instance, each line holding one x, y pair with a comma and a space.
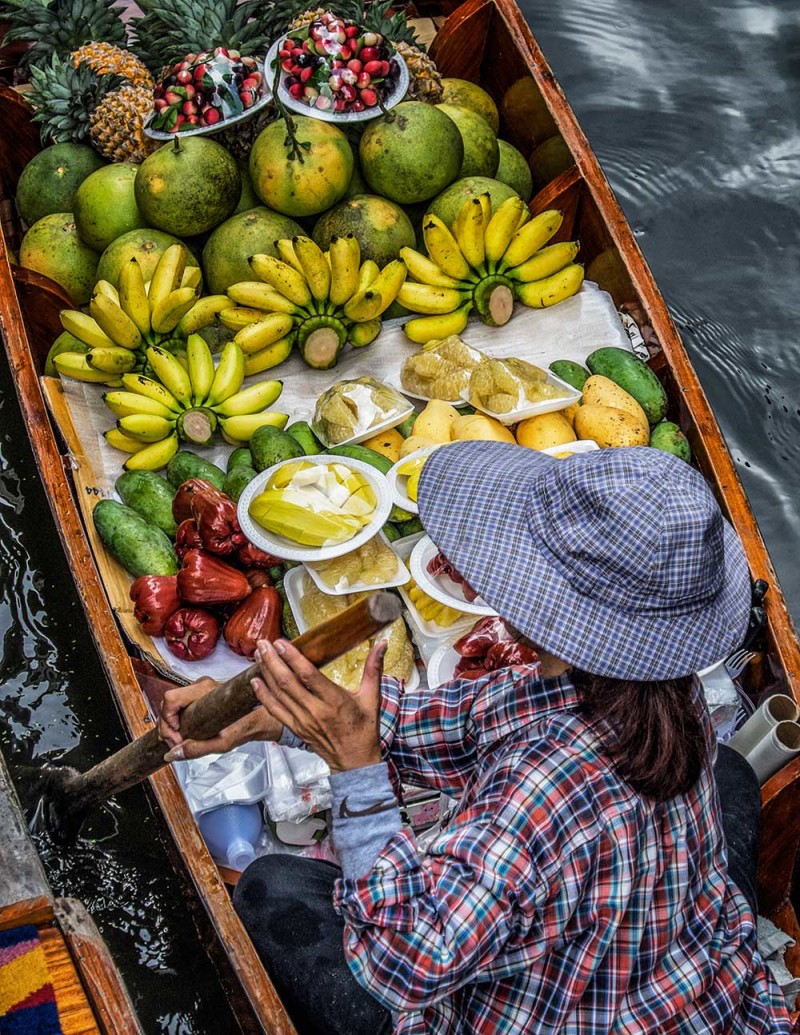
286, 798
502, 386
351, 410
441, 370
373, 564
240, 777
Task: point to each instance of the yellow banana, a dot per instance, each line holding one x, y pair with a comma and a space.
239, 316
269, 357
115, 360
367, 273
424, 270
282, 277
202, 313
153, 457
103, 287
502, 227
124, 443
425, 298
486, 206
424, 328
258, 295
470, 234
116, 323
545, 262
192, 277
85, 328
250, 400
385, 286
123, 404
345, 258
542, 293
170, 372
74, 365
531, 237
525, 216
201, 368
168, 313
315, 269
133, 297
361, 334
443, 248
265, 332
286, 252
167, 275
151, 389
229, 375
145, 427
243, 428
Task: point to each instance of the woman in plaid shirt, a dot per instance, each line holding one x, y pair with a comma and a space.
580, 884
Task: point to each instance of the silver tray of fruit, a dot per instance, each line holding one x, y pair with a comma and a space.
337, 72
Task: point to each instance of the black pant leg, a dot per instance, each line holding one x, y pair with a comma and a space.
740, 798
286, 904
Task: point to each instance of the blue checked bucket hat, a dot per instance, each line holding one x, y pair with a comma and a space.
617, 561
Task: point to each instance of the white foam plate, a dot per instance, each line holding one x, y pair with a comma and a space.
376, 429
442, 665
583, 445
394, 97
291, 551
400, 577
210, 131
397, 482
442, 588
293, 584
531, 409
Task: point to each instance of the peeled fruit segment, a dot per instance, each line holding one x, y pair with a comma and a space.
441, 369
545, 431
504, 385
302, 524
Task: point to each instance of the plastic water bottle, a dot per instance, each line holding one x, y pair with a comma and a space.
231, 831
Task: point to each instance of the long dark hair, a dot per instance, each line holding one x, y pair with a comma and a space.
651, 731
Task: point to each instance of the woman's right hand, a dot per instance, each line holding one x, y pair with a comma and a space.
258, 725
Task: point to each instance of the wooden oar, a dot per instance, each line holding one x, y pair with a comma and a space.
68, 794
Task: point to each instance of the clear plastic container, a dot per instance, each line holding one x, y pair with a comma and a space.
352, 411
231, 833
523, 407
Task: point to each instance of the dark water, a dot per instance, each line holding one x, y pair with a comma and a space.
692, 110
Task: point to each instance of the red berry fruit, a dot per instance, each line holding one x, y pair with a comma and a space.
212, 116
296, 90
369, 98
369, 54
351, 31
374, 68
355, 66
364, 80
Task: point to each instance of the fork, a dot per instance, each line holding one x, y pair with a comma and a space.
738, 662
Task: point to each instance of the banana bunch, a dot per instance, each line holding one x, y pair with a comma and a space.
484, 262
311, 299
122, 323
154, 414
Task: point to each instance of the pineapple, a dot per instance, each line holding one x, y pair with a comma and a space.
426, 81
60, 26
239, 139
116, 124
103, 58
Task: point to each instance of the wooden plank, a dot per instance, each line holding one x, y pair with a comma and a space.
36, 911
22, 875
74, 1009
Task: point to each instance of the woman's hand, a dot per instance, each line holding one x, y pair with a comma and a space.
258, 725
341, 726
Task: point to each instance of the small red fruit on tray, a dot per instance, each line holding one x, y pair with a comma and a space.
334, 65
205, 89
490, 645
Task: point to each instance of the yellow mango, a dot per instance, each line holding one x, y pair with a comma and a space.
435, 420
388, 444
609, 426
602, 391
545, 430
570, 411
476, 427
413, 443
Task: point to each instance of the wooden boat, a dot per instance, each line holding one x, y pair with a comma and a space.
89, 993
486, 41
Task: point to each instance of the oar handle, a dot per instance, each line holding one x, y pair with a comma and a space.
232, 700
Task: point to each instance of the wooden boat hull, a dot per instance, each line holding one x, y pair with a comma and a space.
471, 33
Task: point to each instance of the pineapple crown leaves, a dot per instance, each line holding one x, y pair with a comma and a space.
64, 98
60, 26
394, 27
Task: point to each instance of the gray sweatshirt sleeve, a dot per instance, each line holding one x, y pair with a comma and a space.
365, 816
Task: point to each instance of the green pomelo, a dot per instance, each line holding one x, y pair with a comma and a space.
50, 179
146, 246
230, 246
526, 117
357, 184
481, 153
551, 158
52, 247
412, 153
513, 169
248, 198
188, 187
469, 95
448, 204
307, 184
105, 205
380, 227
65, 342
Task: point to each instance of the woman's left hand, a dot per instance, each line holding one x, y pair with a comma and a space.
341, 726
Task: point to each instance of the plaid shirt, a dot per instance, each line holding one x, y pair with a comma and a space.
555, 899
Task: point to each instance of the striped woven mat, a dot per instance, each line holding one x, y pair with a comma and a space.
27, 1000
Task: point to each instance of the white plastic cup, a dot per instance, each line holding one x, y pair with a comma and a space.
774, 750
778, 708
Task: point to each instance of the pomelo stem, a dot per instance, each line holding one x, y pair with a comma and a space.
296, 151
